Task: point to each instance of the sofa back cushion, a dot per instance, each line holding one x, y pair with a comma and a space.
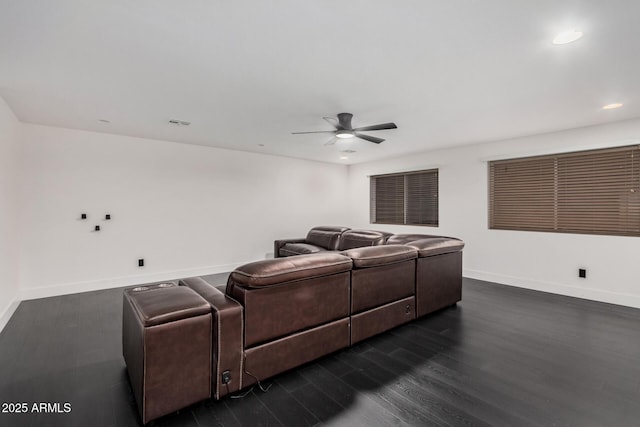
361, 238
325, 236
437, 246
403, 239
282, 296
278, 271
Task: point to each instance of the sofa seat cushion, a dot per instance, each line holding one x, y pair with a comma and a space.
373, 256
291, 249
276, 271
437, 246
360, 238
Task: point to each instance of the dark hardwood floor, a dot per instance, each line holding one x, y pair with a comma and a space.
504, 356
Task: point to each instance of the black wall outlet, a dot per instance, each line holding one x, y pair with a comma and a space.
83, 216
97, 228
582, 273
141, 262
107, 216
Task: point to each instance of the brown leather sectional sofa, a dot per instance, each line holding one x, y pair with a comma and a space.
197, 340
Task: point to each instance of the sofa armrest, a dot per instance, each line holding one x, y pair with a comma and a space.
278, 244
227, 337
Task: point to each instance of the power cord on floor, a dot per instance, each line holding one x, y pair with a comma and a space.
242, 395
264, 390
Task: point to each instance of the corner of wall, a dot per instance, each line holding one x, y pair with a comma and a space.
10, 131
5, 315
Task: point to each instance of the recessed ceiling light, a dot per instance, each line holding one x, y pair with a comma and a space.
567, 37
344, 158
612, 106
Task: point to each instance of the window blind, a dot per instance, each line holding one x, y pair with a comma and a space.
588, 192
405, 198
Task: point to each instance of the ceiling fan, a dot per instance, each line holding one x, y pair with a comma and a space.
344, 129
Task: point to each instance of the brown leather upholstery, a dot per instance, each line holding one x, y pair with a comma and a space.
277, 356
173, 303
295, 310
438, 282
169, 364
437, 246
383, 318
371, 287
274, 315
292, 249
381, 276
373, 256
321, 238
361, 238
228, 331
276, 271
280, 243
403, 239
275, 311
326, 237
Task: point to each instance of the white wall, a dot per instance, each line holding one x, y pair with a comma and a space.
192, 210
9, 284
542, 261
185, 209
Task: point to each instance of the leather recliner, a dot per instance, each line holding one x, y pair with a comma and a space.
276, 314
319, 239
329, 238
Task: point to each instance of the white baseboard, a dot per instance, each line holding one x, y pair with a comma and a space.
117, 282
7, 312
600, 295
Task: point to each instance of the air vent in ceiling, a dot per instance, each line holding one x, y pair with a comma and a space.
179, 122
348, 151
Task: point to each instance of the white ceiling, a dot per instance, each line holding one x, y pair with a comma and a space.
250, 72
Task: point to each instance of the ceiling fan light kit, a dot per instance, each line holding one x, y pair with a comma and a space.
344, 134
345, 130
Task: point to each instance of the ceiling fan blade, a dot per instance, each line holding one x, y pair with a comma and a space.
331, 141
333, 121
344, 121
378, 127
369, 138
319, 131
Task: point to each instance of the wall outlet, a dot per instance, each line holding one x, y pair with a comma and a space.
141, 262
582, 273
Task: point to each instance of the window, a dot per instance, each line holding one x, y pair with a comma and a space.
405, 198
587, 192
